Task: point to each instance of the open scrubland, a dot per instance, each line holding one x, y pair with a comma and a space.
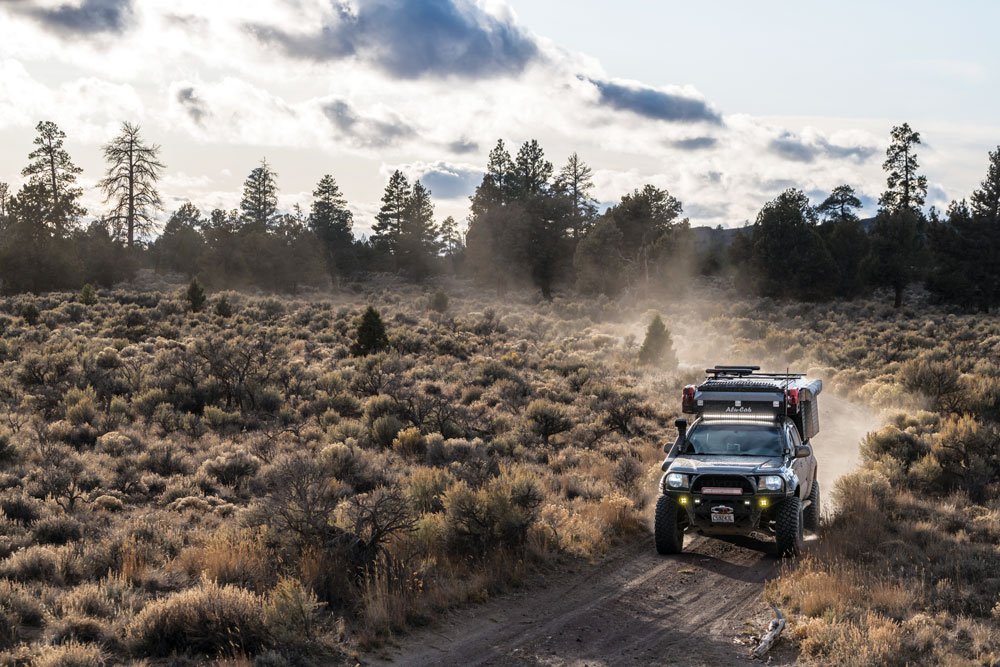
239, 484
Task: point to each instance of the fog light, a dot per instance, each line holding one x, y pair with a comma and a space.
764, 502
746, 502
697, 501
683, 500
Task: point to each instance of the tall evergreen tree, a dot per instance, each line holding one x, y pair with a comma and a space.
532, 174
906, 188
330, 220
898, 238
986, 200
489, 239
576, 181
845, 238
452, 244
52, 168
497, 183
840, 204
129, 186
390, 218
652, 230
417, 244
181, 245
260, 198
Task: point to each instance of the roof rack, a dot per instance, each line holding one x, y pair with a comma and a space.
744, 371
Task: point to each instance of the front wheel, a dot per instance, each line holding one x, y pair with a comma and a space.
810, 515
788, 527
668, 529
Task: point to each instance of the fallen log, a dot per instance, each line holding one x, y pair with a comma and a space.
774, 630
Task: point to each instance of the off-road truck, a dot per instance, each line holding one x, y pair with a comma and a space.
744, 466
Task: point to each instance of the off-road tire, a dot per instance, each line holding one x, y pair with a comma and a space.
810, 515
788, 527
668, 529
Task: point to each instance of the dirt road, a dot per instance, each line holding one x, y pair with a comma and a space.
635, 607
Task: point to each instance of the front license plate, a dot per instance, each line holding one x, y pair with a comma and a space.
722, 518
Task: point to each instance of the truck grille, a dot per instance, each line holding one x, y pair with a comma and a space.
722, 485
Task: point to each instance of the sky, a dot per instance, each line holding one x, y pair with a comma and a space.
724, 104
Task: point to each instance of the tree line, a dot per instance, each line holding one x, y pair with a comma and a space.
800, 251
528, 225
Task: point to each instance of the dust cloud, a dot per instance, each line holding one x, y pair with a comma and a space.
842, 426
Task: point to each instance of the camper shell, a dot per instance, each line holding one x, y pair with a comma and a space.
744, 392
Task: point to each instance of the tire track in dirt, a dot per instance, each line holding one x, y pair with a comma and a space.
635, 608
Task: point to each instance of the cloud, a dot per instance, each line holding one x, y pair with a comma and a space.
192, 104
86, 18
655, 103
412, 40
450, 182
695, 143
463, 146
793, 147
366, 131
445, 180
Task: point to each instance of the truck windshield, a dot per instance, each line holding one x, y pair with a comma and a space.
735, 440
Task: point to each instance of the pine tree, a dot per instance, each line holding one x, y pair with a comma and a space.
496, 186
260, 198
390, 218
371, 336
658, 346
490, 251
52, 168
575, 181
130, 183
451, 238
840, 204
845, 238
986, 200
532, 173
898, 238
906, 188
417, 242
181, 245
195, 295
330, 220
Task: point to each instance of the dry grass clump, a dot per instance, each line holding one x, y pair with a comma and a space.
208, 620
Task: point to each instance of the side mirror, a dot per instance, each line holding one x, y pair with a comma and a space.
803, 451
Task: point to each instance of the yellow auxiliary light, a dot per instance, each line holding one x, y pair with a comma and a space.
683, 500
764, 502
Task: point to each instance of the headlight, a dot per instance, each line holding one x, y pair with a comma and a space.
770, 483
675, 480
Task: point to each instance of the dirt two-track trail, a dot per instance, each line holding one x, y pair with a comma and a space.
636, 607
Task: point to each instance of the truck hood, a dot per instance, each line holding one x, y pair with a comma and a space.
740, 465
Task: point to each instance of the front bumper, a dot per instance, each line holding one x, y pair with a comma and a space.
750, 512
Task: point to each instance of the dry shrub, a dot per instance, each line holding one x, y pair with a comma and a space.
18, 608
291, 612
209, 620
71, 654
35, 563
229, 557
425, 488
